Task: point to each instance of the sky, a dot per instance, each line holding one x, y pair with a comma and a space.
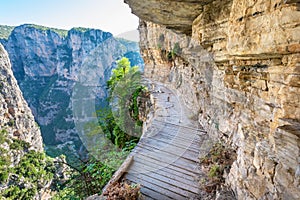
108, 15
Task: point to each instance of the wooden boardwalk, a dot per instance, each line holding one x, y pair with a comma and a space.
165, 161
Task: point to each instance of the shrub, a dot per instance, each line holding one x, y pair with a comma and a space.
214, 163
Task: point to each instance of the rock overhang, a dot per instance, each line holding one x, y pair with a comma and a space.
177, 15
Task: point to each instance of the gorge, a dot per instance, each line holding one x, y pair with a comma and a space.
48, 62
235, 64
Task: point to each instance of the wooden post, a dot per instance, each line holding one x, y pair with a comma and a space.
119, 173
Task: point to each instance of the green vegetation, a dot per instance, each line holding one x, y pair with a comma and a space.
88, 179
214, 171
176, 51
4, 165
11, 122
124, 88
3, 136
218, 159
5, 31
61, 32
34, 170
19, 145
91, 176
81, 29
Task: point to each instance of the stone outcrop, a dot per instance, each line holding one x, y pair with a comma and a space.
15, 116
47, 64
238, 69
17, 130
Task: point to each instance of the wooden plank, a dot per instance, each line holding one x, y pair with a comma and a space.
147, 192
178, 125
172, 130
161, 147
175, 137
160, 165
160, 187
171, 175
183, 139
180, 132
145, 197
157, 142
173, 152
191, 187
191, 167
174, 142
165, 156
169, 170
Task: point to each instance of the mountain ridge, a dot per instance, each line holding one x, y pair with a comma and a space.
47, 65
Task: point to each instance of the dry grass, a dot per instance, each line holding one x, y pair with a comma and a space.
123, 191
218, 160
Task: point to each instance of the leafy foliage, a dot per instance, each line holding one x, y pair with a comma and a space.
88, 179
19, 145
219, 159
124, 88
15, 192
35, 167
34, 170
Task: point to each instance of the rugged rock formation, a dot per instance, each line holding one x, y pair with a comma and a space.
238, 68
17, 130
16, 117
47, 64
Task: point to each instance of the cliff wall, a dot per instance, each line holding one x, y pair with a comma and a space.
20, 142
236, 63
49, 62
16, 117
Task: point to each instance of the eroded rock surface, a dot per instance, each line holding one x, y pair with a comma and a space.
49, 62
19, 134
239, 71
15, 116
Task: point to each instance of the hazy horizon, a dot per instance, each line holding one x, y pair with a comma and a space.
112, 16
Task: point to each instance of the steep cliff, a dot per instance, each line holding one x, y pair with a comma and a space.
48, 62
236, 64
20, 142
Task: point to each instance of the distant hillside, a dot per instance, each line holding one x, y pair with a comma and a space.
5, 31
130, 35
60, 32
49, 62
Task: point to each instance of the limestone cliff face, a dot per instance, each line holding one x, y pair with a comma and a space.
238, 68
16, 117
19, 133
47, 64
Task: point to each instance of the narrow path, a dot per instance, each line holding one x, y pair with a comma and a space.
166, 158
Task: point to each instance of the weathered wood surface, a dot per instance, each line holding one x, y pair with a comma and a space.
165, 160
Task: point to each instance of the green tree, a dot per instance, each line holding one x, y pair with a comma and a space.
124, 87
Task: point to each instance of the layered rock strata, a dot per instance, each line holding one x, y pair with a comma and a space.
239, 69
